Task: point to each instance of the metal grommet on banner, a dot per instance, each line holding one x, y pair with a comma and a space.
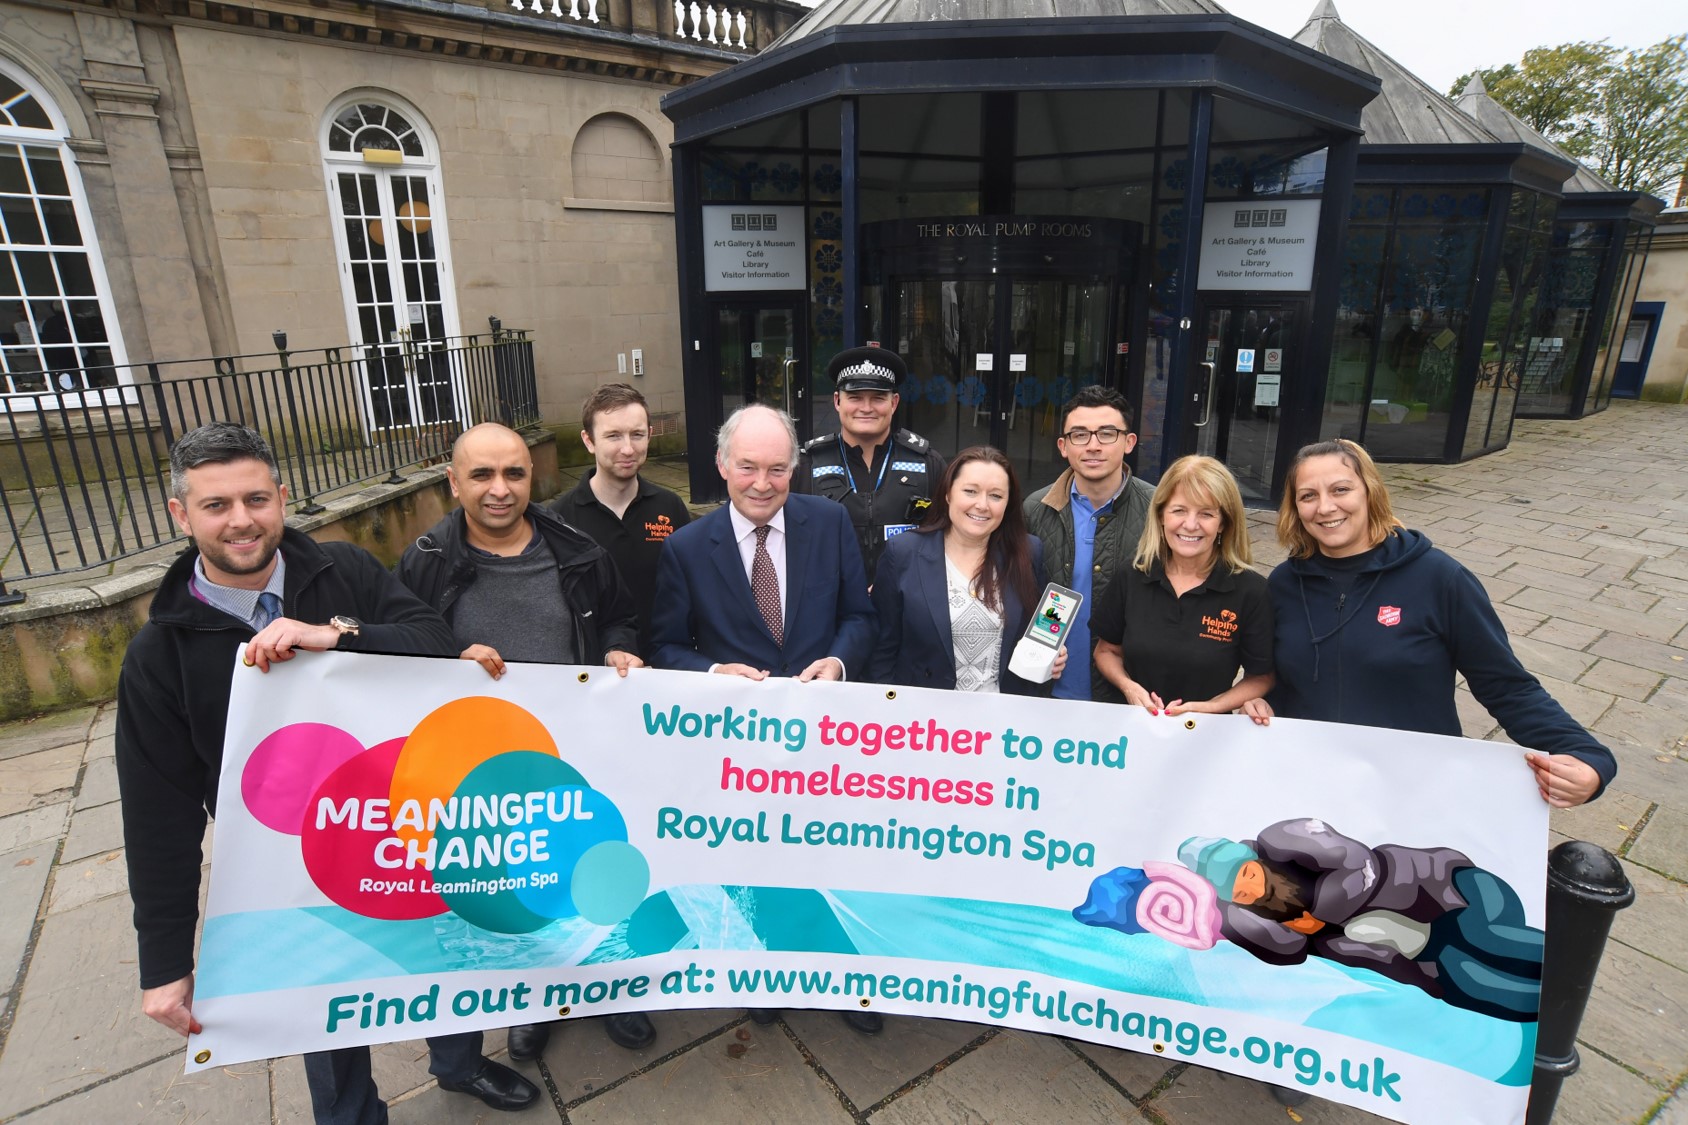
890, 695
1189, 724
202, 1057
1160, 1049
584, 676
864, 1002
563, 1011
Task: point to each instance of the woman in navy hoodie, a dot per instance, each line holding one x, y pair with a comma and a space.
1373, 624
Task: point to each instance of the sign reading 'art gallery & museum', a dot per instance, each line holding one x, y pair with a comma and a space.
1348, 911
1259, 244
753, 246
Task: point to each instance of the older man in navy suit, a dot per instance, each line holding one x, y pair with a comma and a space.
770, 585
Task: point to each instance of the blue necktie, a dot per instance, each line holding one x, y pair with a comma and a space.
269, 608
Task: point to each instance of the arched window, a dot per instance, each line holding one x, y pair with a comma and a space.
57, 326
383, 181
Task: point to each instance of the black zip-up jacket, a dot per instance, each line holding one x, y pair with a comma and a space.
438, 566
1386, 653
172, 707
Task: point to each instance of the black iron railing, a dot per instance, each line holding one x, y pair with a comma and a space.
84, 471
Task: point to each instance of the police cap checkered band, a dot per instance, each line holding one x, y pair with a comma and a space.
867, 369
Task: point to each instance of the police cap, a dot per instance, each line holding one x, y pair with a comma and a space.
867, 369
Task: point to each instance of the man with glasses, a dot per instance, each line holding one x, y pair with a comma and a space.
1090, 519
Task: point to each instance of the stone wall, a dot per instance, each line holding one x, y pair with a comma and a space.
64, 645
589, 268
1666, 280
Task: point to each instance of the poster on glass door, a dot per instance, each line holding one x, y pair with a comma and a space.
752, 246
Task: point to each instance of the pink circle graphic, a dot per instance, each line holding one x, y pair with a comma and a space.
286, 769
340, 845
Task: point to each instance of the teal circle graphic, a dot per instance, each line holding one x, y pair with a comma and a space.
610, 882
479, 880
591, 820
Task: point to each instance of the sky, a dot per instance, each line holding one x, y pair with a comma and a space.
1439, 40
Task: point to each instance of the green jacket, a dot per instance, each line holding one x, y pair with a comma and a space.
1117, 532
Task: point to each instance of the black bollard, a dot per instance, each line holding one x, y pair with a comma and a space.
1586, 886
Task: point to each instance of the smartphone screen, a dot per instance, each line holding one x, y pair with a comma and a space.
1054, 616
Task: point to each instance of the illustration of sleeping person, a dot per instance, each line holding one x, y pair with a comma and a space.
1427, 917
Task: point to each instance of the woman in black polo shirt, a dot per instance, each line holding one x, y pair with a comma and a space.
1172, 632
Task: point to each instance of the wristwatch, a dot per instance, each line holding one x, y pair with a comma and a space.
345, 626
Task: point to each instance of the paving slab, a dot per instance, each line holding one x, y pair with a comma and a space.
161, 1093
1201, 1096
99, 783
1545, 659
582, 1060
769, 1084
59, 728
29, 781
1567, 634
1603, 1093
1621, 679
1657, 923
1656, 728
33, 826
870, 1067
23, 880
1663, 844
79, 1020
1138, 1072
1638, 1013
1606, 822
1016, 1076
93, 831
88, 880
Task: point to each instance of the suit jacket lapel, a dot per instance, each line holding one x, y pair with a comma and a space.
725, 555
799, 545
934, 585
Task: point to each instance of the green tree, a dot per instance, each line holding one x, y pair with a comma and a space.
1622, 113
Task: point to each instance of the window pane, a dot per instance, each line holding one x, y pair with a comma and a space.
22, 226
12, 179
36, 270
61, 222
77, 278
47, 170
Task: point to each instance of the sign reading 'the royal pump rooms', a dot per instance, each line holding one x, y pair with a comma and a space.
753, 246
1259, 244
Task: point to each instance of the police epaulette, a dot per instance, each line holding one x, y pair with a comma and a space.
817, 442
911, 439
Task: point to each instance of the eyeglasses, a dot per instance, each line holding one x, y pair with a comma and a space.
1107, 435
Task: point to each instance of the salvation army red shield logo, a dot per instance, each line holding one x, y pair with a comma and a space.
1388, 615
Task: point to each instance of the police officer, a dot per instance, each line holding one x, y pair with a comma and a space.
883, 478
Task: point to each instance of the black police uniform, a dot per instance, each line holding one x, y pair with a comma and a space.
885, 498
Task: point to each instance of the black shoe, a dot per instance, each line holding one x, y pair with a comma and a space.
1283, 1095
498, 1086
632, 1030
764, 1016
868, 1023
527, 1041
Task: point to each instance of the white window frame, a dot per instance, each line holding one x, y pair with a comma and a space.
57, 138
426, 166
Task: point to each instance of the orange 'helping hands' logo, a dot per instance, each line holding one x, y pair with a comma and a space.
661, 529
1221, 628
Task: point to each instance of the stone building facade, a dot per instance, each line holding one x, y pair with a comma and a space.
344, 171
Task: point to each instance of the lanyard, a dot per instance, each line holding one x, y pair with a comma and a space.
844, 452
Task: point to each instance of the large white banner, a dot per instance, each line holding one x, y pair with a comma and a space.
406, 847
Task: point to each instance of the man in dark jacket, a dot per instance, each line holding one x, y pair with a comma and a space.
250, 583
517, 583
1090, 520
883, 477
